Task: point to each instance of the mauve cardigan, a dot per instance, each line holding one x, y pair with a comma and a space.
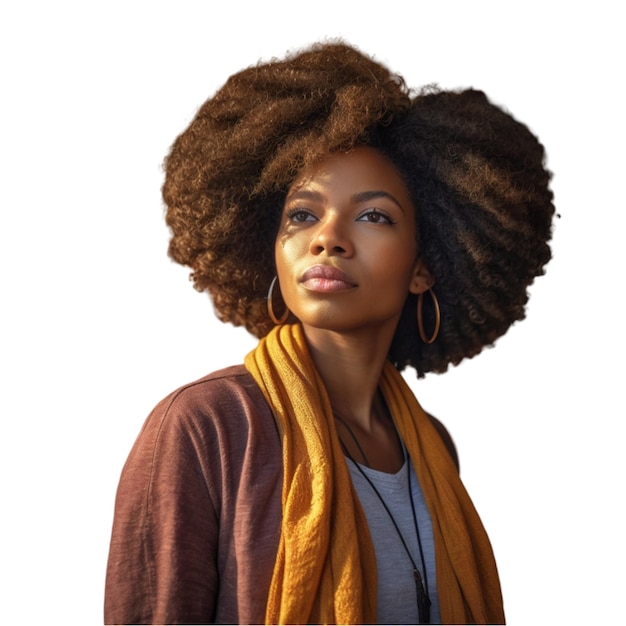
198, 508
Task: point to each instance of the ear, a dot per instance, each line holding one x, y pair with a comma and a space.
421, 278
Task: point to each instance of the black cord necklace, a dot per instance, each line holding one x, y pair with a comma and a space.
421, 586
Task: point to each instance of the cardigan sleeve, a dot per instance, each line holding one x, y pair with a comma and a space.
162, 560
198, 509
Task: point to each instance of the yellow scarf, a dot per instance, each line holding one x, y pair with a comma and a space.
325, 570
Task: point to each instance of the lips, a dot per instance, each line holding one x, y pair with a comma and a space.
326, 278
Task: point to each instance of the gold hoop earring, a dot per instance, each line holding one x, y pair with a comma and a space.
420, 317
270, 304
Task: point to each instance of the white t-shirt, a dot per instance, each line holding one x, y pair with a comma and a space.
397, 595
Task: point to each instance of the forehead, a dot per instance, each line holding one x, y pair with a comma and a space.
360, 169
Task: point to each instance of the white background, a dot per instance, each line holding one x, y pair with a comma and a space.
97, 324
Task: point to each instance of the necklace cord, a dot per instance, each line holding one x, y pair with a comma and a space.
354, 438
419, 543
423, 597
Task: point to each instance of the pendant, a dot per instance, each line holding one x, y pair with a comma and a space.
423, 601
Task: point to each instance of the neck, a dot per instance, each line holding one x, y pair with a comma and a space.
350, 366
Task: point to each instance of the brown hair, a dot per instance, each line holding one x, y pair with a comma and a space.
476, 176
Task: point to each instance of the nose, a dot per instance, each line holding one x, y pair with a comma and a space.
332, 237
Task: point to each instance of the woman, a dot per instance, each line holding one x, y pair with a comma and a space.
355, 229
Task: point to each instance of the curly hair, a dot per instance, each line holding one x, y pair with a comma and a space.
476, 176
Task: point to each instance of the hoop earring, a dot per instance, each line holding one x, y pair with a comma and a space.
270, 304
420, 317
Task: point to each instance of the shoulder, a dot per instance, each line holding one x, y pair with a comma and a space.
206, 431
446, 438
233, 382
214, 416
230, 392
205, 448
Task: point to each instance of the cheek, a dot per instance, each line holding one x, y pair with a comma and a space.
402, 268
284, 257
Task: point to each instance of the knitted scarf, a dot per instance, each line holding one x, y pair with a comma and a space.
325, 571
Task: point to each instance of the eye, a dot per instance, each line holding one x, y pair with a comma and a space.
374, 216
300, 215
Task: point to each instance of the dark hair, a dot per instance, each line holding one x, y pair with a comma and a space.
475, 174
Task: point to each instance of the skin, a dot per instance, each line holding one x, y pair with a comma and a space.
346, 259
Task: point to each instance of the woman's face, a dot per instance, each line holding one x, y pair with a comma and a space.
345, 250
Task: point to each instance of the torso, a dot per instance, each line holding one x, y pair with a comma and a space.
218, 438
397, 598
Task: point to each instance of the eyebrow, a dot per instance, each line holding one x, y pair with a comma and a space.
305, 194
357, 198
366, 196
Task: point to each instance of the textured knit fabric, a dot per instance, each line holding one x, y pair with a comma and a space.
198, 509
197, 515
326, 566
330, 577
